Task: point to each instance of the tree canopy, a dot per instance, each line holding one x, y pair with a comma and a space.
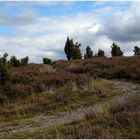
115, 50
101, 53
89, 53
72, 50
136, 50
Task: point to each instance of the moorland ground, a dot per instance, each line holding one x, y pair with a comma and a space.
93, 98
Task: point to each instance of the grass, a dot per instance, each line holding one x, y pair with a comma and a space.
114, 67
58, 100
65, 86
36, 78
103, 124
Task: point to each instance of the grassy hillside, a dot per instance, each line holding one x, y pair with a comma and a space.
116, 120
33, 78
114, 67
49, 90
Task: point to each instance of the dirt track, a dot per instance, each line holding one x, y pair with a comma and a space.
43, 121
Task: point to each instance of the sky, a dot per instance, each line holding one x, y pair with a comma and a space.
39, 29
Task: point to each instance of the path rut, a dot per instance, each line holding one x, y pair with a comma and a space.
44, 121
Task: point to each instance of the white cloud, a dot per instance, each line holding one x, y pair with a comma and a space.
40, 36
123, 25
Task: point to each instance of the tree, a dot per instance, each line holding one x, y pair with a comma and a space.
115, 50
89, 53
5, 58
136, 50
101, 53
72, 50
47, 61
24, 61
14, 61
4, 69
69, 46
76, 52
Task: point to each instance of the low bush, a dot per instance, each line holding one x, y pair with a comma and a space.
47, 61
79, 72
4, 70
14, 91
128, 117
24, 61
115, 67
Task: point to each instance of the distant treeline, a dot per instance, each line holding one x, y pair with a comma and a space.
72, 51
5, 66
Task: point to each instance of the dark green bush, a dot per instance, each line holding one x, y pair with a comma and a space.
14, 61
89, 53
24, 61
4, 69
47, 61
116, 50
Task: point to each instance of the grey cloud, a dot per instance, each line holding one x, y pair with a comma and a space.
83, 28
123, 27
15, 21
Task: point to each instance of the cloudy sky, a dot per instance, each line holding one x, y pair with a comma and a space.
39, 29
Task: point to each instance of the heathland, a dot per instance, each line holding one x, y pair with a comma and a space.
92, 98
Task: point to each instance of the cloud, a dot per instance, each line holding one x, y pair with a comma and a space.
38, 35
123, 25
51, 42
23, 18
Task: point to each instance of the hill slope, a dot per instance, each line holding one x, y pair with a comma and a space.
71, 100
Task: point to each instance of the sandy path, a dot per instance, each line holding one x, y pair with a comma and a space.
44, 121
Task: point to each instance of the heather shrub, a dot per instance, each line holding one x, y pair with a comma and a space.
29, 74
3, 97
71, 86
13, 91
53, 80
40, 86
62, 98
114, 67
74, 74
37, 79
120, 71
98, 112
128, 118
90, 114
61, 64
82, 80
129, 102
